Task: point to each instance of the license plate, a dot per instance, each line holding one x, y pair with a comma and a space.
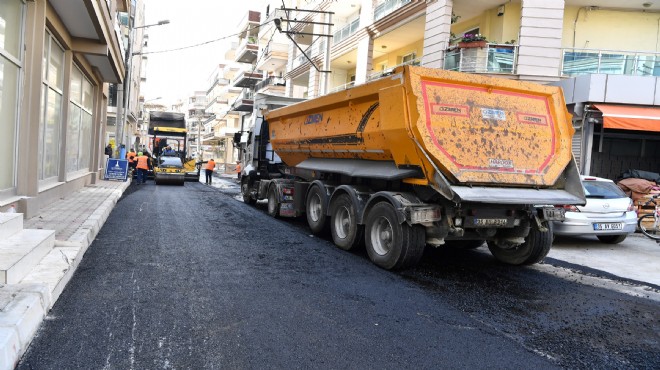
608, 226
554, 214
490, 222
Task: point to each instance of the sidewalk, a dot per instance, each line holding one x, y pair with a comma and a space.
76, 221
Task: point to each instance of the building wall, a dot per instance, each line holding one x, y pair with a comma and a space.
57, 139
394, 57
604, 29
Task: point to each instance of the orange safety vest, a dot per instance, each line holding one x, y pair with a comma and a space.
238, 168
210, 165
128, 156
142, 162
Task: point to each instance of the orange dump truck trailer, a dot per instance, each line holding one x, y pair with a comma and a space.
420, 157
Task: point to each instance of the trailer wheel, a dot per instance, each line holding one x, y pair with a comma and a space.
536, 246
346, 233
245, 191
390, 244
273, 204
315, 209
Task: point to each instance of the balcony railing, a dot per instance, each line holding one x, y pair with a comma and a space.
388, 71
616, 62
247, 50
271, 80
387, 7
494, 58
346, 31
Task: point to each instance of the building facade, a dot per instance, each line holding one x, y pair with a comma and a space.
56, 60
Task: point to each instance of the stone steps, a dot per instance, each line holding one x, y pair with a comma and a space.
22, 251
10, 224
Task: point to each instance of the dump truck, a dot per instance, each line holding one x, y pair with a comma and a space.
169, 129
422, 157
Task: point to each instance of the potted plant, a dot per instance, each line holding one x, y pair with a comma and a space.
470, 40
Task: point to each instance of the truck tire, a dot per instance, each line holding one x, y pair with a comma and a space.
245, 191
315, 210
273, 204
536, 246
346, 233
392, 245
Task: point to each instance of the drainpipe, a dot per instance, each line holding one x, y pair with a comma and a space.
575, 23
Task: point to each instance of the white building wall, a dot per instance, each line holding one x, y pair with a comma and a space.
539, 53
437, 32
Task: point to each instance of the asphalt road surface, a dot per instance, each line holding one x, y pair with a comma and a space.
189, 277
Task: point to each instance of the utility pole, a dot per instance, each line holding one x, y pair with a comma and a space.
123, 94
288, 32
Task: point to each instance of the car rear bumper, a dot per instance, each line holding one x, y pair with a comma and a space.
573, 225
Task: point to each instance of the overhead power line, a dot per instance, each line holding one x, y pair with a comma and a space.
203, 43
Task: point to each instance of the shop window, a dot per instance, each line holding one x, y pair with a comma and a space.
79, 128
51, 109
11, 34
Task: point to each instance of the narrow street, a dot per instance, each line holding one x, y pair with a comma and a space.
189, 277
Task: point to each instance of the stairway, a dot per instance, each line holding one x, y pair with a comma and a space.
21, 250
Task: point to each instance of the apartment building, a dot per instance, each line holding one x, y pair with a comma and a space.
603, 55
131, 30
56, 60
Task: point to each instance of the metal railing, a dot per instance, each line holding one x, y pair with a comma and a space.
271, 80
494, 58
346, 31
387, 7
388, 71
616, 62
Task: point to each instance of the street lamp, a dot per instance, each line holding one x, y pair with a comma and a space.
123, 97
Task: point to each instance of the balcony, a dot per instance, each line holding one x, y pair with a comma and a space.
247, 50
315, 49
388, 7
346, 31
249, 24
244, 102
274, 56
615, 62
247, 79
208, 136
494, 58
388, 71
271, 85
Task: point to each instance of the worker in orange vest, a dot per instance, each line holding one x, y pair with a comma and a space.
210, 165
238, 170
132, 158
143, 164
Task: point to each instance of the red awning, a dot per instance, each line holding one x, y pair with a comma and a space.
630, 117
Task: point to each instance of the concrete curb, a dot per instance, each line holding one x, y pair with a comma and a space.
28, 304
20, 321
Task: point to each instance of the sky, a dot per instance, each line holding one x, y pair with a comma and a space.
176, 75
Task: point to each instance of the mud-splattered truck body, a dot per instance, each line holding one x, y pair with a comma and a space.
421, 157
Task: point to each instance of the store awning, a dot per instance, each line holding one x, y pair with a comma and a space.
630, 117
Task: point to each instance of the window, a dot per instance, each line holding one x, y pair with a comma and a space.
11, 33
51, 109
79, 129
408, 58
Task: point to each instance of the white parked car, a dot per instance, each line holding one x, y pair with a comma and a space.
609, 214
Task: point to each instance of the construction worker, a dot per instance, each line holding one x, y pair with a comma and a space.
238, 170
131, 156
210, 165
143, 164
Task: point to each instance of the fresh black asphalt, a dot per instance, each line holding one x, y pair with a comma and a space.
189, 277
